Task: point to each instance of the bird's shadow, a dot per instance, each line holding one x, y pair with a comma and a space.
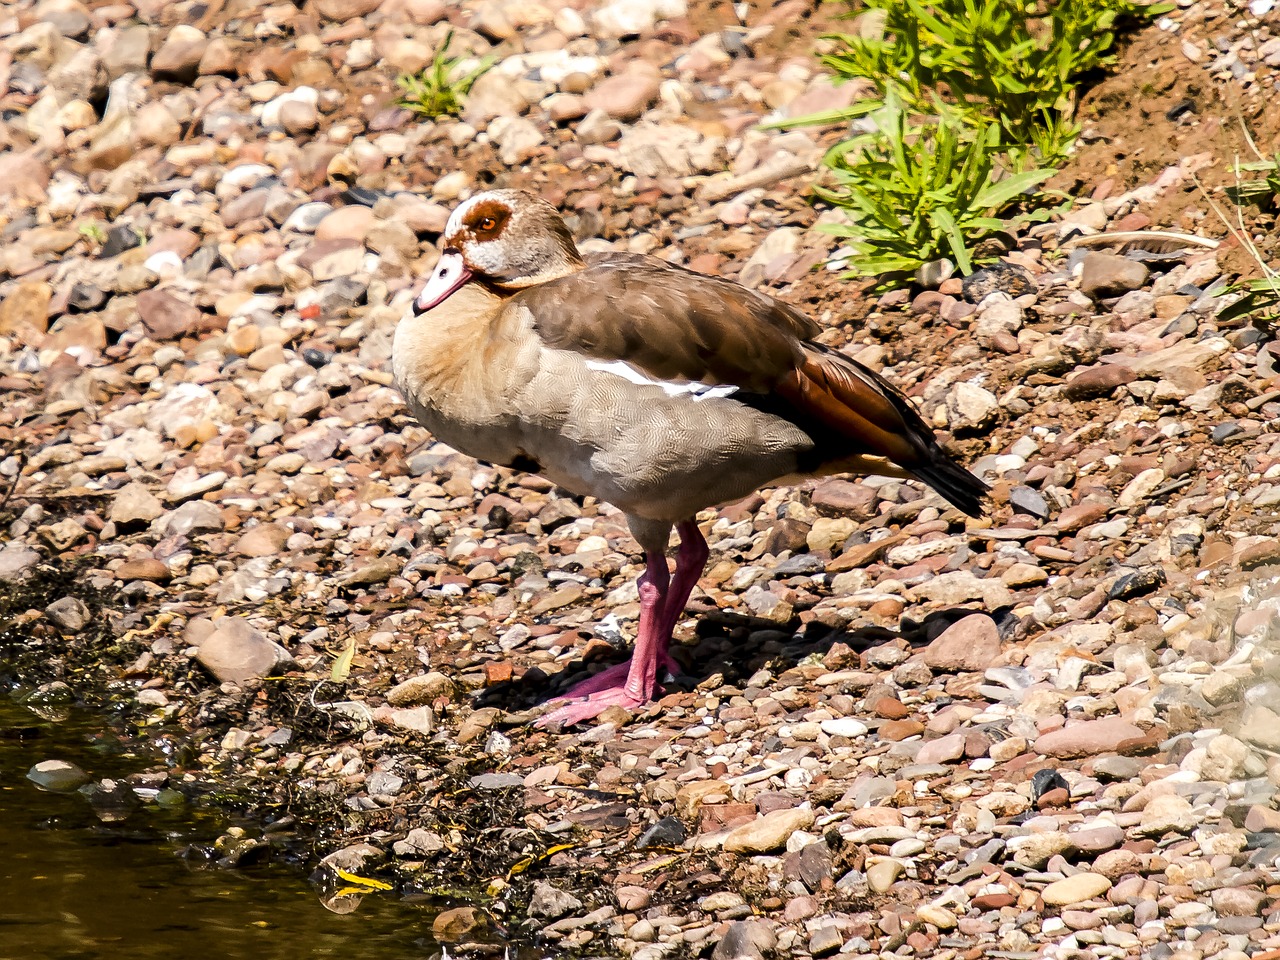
735, 647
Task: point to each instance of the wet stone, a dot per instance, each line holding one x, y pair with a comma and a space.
666, 832
457, 924
57, 776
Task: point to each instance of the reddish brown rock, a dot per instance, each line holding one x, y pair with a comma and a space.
1080, 515
25, 311
1098, 381
900, 729
891, 708
144, 569
942, 750
970, 644
626, 96
164, 316
1260, 555
262, 540
839, 498
1087, 738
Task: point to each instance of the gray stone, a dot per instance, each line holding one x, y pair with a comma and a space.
518, 139
1167, 814
69, 613
134, 503
237, 652
497, 781
826, 940
193, 518
1029, 501
960, 586
17, 562
419, 842
383, 783
552, 903
971, 407
749, 939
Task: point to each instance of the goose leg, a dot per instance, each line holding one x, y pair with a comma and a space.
690, 562
631, 684
662, 600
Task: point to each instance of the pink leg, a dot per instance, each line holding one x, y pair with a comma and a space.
689, 563
632, 684
591, 697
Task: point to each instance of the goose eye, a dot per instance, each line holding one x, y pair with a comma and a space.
488, 223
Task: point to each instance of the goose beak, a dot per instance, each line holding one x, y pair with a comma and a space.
450, 273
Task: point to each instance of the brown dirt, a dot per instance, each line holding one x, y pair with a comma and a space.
1155, 110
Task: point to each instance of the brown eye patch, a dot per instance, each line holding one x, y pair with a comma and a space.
487, 220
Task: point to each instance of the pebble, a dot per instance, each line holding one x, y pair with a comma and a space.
1087, 737
970, 644
57, 776
551, 903
769, 832
69, 613
1075, 889
425, 688
236, 652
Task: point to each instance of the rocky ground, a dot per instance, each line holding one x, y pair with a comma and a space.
1052, 732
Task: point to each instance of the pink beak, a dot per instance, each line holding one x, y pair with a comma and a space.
450, 273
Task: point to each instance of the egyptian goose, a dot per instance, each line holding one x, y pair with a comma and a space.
638, 382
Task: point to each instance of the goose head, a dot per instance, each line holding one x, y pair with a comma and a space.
505, 239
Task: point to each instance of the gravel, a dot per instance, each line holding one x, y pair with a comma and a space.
1051, 732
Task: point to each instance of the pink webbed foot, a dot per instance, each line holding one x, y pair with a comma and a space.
589, 707
615, 678
592, 696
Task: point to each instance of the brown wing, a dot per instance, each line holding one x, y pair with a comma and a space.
669, 322
677, 325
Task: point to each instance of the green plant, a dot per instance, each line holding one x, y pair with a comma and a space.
1259, 298
93, 232
437, 92
917, 192
1017, 61
1262, 192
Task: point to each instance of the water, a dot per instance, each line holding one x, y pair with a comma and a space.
73, 887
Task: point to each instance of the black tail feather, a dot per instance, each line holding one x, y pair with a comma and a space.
954, 483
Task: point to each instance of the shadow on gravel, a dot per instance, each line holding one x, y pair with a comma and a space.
730, 648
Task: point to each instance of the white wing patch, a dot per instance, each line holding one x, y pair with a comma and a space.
672, 388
